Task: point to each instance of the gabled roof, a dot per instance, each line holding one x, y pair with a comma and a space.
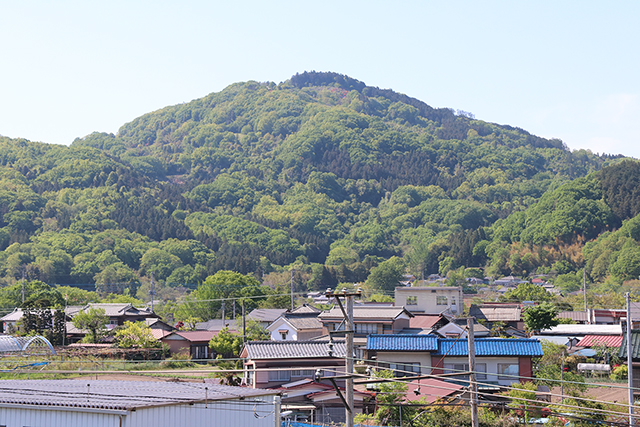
266, 314
112, 309
426, 321
506, 313
298, 323
431, 389
391, 342
306, 309
192, 336
367, 313
218, 325
490, 347
292, 349
596, 340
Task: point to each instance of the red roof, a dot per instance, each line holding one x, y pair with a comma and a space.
431, 389
594, 340
425, 321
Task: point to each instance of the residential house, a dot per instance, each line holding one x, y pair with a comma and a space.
430, 300
9, 322
269, 364
489, 313
300, 324
510, 281
570, 335
367, 320
193, 343
315, 402
499, 361
266, 316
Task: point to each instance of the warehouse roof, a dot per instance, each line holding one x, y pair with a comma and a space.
117, 395
635, 345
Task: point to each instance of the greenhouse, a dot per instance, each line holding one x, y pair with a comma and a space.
25, 346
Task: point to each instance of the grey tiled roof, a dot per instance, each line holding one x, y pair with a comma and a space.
266, 314
305, 322
293, 349
116, 395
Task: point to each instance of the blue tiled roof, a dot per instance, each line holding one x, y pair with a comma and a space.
490, 347
402, 342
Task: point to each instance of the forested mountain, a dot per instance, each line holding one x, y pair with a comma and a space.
320, 171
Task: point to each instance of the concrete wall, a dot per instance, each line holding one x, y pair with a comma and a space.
425, 300
422, 357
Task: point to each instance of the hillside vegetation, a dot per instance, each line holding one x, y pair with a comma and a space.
320, 172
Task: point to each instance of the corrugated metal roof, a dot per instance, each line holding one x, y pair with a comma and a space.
490, 347
583, 330
117, 395
595, 340
402, 342
293, 349
635, 345
578, 316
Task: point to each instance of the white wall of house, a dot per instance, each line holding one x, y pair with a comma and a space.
406, 357
281, 330
430, 300
492, 365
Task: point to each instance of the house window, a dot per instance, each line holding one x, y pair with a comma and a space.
441, 300
405, 369
279, 375
412, 300
307, 373
507, 371
451, 368
366, 328
453, 300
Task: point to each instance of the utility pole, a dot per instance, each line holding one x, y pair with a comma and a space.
584, 289
629, 360
473, 385
23, 274
349, 330
151, 291
244, 327
292, 270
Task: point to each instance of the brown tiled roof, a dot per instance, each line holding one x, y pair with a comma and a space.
377, 312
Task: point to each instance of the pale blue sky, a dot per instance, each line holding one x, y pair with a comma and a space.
564, 69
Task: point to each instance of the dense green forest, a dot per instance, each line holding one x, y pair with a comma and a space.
322, 174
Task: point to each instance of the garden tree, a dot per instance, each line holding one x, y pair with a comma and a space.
135, 335
46, 322
255, 331
523, 400
76, 296
548, 369
93, 320
527, 292
226, 344
543, 316
389, 399
208, 298
37, 294
386, 276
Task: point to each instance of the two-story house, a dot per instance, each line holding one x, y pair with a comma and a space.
430, 300
368, 320
499, 361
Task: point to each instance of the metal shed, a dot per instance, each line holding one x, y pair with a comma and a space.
101, 403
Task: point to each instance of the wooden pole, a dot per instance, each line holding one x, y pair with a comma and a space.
349, 362
473, 385
629, 359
